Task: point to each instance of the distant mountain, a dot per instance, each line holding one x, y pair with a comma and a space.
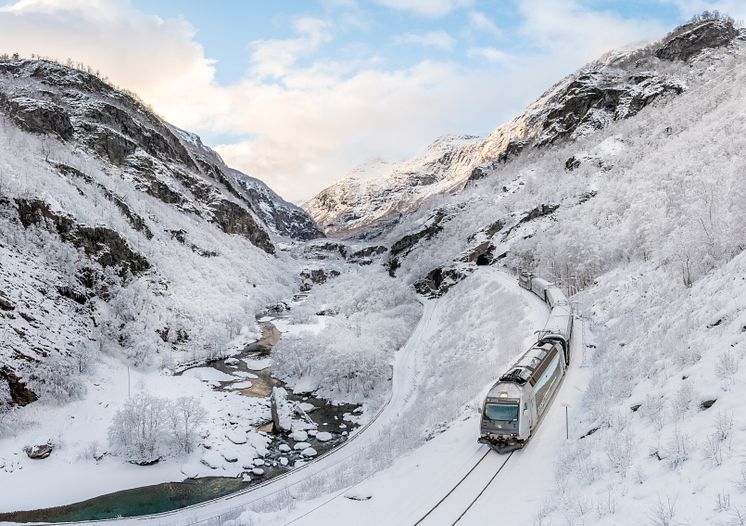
370, 200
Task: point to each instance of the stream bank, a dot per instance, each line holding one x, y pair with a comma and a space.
247, 374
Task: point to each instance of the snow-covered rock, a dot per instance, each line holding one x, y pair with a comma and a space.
323, 436
299, 436
236, 436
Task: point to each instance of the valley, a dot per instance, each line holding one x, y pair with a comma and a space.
328, 363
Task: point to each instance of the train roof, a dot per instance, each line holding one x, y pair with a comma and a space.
559, 322
522, 370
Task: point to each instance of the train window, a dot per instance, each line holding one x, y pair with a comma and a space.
503, 412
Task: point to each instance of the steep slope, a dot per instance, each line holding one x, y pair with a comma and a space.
615, 87
282, 217
121, 232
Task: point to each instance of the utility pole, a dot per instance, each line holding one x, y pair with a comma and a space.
567, 422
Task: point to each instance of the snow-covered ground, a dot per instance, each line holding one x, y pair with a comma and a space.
437, 375
78, 431
79, 469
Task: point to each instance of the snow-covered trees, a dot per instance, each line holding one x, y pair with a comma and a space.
185, 415
148, 428
137, 431
57, 380
350, 357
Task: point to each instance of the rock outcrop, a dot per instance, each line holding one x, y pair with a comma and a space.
691, 39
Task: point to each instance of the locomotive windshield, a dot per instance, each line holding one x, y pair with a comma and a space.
502, 412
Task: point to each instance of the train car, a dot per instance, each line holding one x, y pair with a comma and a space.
524, 280
555, 297
517, 402
559, 328
539, 287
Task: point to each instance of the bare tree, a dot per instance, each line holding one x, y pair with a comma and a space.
148, 428
185, 415
137, 431
6, 408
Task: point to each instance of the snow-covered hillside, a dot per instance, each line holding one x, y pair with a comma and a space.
123, 232
615, 87
374, 196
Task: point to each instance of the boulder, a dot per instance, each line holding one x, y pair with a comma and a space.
40, 451
299, 436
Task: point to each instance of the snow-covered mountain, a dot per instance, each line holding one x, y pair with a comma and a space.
616, 86
372, 198
105, 206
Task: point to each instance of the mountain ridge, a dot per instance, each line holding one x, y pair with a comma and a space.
616, 86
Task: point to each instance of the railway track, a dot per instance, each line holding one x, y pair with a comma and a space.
473, 472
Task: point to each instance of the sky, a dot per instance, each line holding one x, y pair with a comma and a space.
299, 93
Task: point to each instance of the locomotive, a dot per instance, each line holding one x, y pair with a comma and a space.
518, 401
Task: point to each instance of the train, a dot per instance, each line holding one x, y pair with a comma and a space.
516, 404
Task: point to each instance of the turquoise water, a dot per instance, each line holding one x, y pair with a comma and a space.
139, 501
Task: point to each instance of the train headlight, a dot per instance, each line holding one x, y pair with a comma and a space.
503, 394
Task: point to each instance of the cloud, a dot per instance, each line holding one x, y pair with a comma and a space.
733, 8
428, 8
568, 29
481, 22
308, 119
273, 58
436, 39
490, 54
